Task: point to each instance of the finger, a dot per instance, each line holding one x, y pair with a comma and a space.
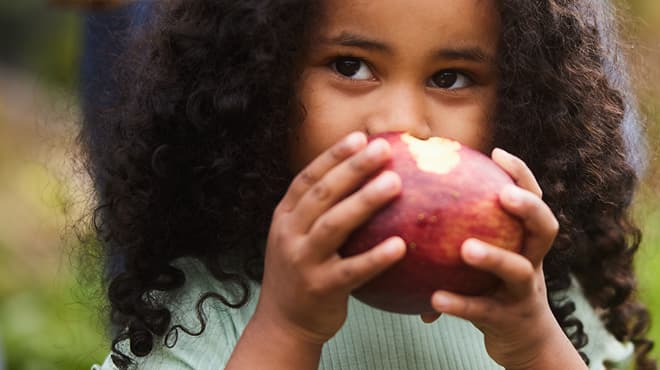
475, 309
430, 317
541, 226
354, 271
333, 228
518, 170
311, 174
513, 269
340, 181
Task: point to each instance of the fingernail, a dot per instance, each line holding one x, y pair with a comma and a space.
354, 140
376, 148
441, 301
475, 251
512, 195
392, 246
387, 181
502, 151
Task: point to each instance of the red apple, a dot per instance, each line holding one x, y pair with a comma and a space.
449, 194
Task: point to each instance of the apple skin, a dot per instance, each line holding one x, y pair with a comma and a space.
452, 197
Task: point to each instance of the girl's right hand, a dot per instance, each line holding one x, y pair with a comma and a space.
306, 283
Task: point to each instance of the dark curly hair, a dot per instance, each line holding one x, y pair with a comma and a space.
192, 161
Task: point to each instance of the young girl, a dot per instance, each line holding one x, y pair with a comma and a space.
234, 169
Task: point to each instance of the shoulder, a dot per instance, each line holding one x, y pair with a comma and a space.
204, 299
203, 329
602, 347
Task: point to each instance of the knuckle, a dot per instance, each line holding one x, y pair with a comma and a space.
485, 312
467, 307
307, 177
317, 287
374, 259
358, 164
279, 211
297, 258
521, 171
367, 197
521, 273
321, 191
328, 226
494, 259
338, 152
527, 271
277, 238
533, 206
472, 310
347, 274
553, 227
359, 269
364, 162
519, 165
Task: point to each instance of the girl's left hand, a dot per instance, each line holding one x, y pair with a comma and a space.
516, 319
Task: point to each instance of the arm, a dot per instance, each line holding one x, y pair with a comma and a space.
520, 331
554, 351
304, 295
264, 345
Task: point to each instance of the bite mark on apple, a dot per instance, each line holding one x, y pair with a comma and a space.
437, 155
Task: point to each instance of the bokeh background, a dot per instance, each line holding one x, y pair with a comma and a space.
50, 315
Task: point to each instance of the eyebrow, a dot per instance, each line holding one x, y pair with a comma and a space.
473, 53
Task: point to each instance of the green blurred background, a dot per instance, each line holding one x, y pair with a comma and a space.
49, 317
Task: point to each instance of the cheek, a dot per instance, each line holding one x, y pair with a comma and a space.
470, 124
305, 145
327, 119
482, 117
312, 137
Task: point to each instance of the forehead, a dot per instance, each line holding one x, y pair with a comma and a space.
416, 22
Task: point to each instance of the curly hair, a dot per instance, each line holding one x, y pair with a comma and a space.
193, 164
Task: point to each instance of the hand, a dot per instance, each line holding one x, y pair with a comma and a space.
306, 283
516, 319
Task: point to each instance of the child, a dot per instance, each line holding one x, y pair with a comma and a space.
235, 167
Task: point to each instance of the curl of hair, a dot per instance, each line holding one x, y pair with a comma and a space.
560, 112
193, 162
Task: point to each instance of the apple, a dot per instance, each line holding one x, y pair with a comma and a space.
449, 194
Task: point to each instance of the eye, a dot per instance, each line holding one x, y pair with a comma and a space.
450, 80
353, 68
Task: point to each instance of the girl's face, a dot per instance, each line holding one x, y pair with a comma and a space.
424, 66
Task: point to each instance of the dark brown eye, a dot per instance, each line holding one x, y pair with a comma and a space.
353, 68
445, 79
450, 80
348, 67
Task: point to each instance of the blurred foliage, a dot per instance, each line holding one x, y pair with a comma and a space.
48, 326
49, 318
43, 40
647, 263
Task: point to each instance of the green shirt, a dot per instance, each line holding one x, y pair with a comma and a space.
370, 339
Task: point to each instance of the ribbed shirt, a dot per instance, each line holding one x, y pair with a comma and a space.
370, 339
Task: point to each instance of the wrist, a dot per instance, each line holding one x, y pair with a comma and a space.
285, 333
264, 344
552, 351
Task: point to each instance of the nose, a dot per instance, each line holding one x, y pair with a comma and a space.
400, 109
